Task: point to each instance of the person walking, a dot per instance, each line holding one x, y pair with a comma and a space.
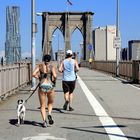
46, 73
90, 63
68, 67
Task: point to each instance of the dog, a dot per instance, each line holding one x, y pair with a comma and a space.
20, 112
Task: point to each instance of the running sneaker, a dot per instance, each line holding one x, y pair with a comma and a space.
50, 119
44, 124
71, 109
65, 105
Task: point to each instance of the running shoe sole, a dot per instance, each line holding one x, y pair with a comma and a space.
50, 120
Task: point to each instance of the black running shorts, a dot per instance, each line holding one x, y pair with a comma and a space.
68, 86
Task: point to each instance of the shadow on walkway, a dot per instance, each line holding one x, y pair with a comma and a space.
26, 122
103, 133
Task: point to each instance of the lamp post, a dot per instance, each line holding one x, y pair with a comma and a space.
81, 46
33, 32
59, 58
117, 36
58, 49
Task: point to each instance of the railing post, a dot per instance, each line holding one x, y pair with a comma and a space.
139, 72
29, 73
135, 71
18, 75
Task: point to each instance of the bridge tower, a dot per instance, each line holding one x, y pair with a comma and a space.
67, 22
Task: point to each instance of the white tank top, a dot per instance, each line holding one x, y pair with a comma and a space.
69, 70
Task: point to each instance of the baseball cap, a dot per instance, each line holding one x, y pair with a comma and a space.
69, 52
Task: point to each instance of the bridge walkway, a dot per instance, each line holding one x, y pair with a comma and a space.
106, 108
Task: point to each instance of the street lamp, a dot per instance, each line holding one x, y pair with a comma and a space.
58, 52
39, 14
81, 46
33, 32
117, 36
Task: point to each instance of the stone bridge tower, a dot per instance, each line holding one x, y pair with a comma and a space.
66, 22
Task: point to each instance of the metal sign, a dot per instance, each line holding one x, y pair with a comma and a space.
90, 47
117, 42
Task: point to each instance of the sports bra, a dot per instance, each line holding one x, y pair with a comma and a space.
47, 75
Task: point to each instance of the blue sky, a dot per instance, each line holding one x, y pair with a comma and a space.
104, 14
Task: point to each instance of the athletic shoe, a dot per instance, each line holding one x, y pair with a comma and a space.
65, 105
44, 124
50, 119
71, 109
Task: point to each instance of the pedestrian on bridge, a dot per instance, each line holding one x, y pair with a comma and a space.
46, 73
90, 63
68, 67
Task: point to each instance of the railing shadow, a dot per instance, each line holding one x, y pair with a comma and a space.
103, 133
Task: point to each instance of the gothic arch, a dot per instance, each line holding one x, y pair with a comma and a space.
77, 27
59, 28
67, 22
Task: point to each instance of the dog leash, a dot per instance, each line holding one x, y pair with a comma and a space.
32, 93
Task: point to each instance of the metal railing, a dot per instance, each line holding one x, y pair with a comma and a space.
12, 77
129, 70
